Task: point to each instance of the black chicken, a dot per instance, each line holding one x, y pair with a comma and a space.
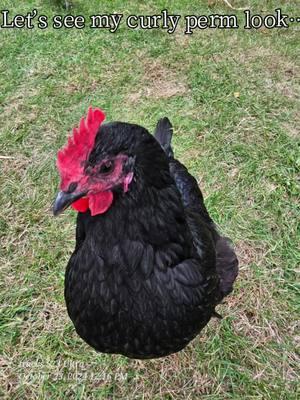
149, 266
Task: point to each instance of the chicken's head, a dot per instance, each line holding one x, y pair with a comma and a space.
90, 172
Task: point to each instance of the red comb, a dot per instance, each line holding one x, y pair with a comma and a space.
71, 158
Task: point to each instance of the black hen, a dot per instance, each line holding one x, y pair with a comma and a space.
149, 266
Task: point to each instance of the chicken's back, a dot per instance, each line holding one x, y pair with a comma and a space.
199, 218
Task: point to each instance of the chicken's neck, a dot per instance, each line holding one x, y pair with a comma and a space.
156, 219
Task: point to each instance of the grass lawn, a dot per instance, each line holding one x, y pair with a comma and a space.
233, 98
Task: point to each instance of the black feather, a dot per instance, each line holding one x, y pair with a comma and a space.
163, 135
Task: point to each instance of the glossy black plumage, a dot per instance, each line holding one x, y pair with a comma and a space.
145, 276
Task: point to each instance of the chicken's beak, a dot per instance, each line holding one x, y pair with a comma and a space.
64, 199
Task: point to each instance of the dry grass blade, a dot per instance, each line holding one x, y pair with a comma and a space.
235, 8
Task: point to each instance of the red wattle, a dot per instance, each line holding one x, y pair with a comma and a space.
81, 205
99, 203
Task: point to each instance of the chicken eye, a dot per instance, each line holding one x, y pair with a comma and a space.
106, 167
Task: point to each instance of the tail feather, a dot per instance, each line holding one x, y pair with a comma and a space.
227, 265
163, 134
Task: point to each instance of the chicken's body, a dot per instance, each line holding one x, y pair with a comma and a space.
146, 275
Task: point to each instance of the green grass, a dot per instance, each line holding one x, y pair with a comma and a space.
233, 97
